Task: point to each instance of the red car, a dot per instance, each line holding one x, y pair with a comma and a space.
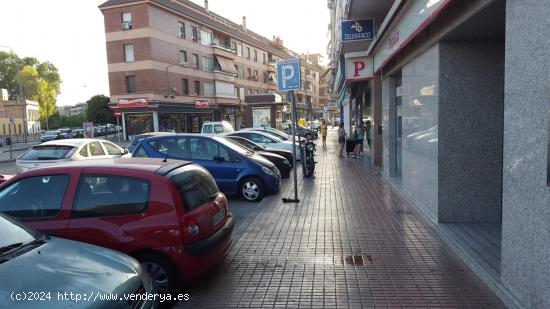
168, 215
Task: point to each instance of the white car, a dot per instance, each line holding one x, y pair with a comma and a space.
217, 127
58, 151
280, 134
265, 139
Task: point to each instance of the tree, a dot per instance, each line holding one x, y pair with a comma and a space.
10, 65
98, 110
28, 79
46, 98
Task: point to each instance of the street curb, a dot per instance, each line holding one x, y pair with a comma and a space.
7, 161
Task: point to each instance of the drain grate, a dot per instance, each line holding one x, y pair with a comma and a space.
357, 260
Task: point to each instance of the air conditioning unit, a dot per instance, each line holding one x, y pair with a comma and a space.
127, 25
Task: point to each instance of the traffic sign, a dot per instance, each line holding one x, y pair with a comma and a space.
325, 109
118, 113
289, 75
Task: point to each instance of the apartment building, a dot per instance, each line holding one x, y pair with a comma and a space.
174, 65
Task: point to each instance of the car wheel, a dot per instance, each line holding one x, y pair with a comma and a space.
252, 189
162, 272
308, 136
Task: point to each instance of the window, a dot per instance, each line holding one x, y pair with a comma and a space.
171, 146
207, 64
185, 84
265, 59
51, 152
126, 20
195, 185
107, 195
255, 76
206, 38
140, 153
181, 30
249, 74
255, 56
183, 57
260, 139
208, 89
239, 50
207, 128
249, 91
240, 72
112, 150
248, 53
131, 83
95, 149
203, 149
128, 53
234, 46
34, 197
218, 129
197, 87
84, 151
194, 34
196, 61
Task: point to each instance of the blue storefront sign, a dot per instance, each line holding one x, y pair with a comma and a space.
357, 30
288, 75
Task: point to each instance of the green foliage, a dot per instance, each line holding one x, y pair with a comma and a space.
40, 81
56, 121
98, 110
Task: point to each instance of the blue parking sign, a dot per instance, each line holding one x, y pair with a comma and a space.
289, 75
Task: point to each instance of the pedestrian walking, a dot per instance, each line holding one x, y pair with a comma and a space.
359, 134
341, 138
323, 130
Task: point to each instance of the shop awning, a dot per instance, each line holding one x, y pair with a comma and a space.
226, 65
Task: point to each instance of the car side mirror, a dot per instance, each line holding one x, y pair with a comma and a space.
219, 158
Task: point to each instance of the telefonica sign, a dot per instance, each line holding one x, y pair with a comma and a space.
358, 68
357, 30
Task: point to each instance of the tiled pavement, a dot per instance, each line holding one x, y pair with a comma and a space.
350, 242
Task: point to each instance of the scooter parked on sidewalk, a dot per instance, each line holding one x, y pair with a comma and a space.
308, 158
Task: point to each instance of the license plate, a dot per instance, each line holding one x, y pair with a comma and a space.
218, 217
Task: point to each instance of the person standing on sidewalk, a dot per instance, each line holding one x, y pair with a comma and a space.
368, 130
341, 138
323, 130
359, 135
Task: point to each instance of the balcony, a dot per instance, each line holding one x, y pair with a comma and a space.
224, 50
270, 80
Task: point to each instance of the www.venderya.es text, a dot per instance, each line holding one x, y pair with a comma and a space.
93, 296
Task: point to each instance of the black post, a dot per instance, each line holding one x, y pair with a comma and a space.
290, 94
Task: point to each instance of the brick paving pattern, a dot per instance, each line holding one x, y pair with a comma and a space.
352, 242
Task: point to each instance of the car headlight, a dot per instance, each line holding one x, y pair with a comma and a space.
268, 171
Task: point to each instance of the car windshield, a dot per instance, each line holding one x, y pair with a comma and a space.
240, 143
14, 234
234, 146
47, 152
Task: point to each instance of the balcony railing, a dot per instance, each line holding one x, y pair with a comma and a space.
224, 47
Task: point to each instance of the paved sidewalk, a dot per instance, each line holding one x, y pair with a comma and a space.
350, 242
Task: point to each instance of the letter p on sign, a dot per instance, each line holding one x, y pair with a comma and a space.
288, 75
358, 66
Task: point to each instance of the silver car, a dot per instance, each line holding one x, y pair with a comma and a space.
58, 151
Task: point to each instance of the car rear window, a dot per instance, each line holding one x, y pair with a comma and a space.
195, 184
47, 152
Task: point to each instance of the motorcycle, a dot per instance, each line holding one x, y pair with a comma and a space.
308, 158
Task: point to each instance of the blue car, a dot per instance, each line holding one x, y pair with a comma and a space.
237, 171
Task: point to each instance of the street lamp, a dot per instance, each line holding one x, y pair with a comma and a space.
168, 91
21, 98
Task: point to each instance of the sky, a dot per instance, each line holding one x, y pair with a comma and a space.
71, 34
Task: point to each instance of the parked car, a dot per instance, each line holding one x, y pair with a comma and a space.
236, 170
314, 125
68, 133
287, 154
55, 152
217, 127
169, 215
78, 133
302, 131
282, 164
138, 138
31, 262
264, 139
52, 135
280, 134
